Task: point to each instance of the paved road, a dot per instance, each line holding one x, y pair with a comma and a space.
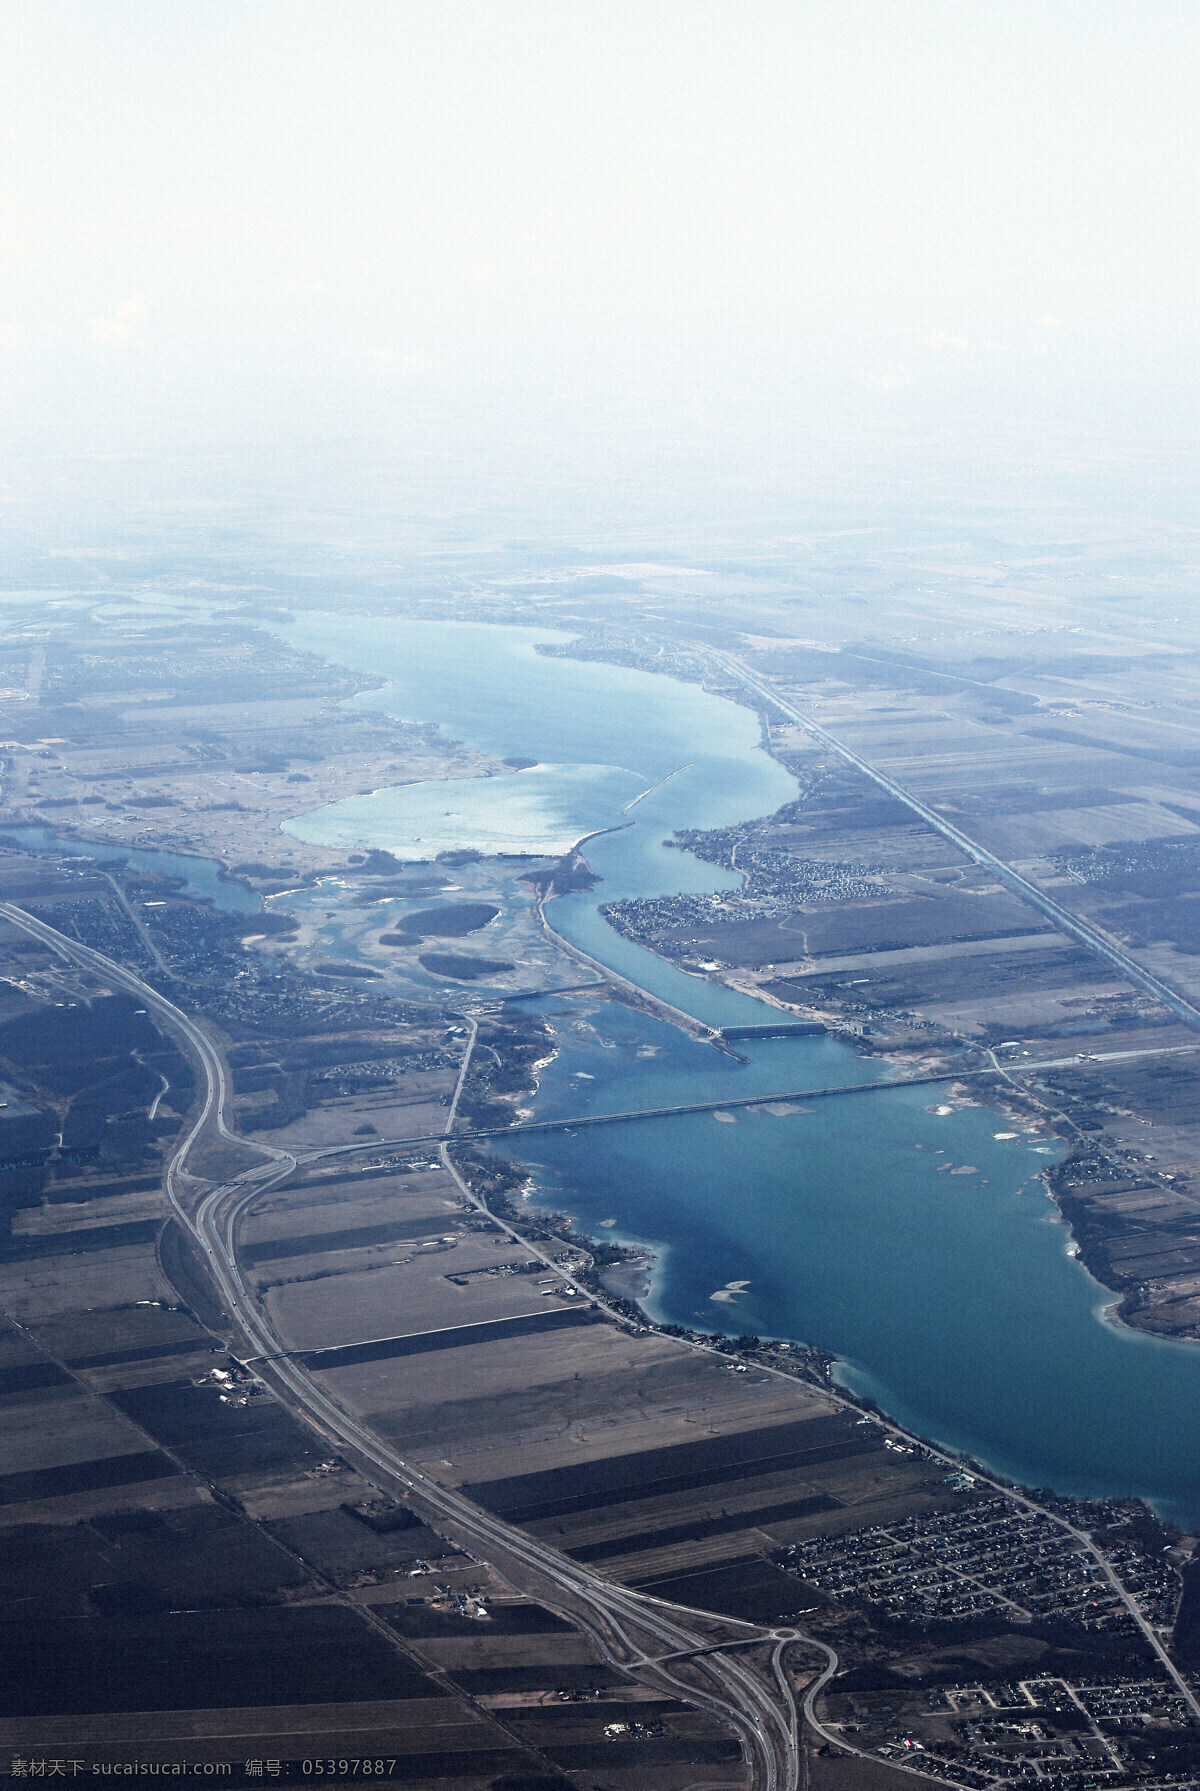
139, 925
757, 1100
633, 1631
525, 1126
1090, 937
640, 997
212, 1113
886, 1085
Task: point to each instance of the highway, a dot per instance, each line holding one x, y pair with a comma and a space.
631, 1630
626, 1117
1090, 937
757, 1100
647, 1637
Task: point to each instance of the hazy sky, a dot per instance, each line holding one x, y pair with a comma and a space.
559, 228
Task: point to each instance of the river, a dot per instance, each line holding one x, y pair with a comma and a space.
202, 878
953, 1299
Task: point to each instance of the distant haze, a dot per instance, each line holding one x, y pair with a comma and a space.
754, 237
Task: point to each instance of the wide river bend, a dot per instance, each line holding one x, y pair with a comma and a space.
953, 1299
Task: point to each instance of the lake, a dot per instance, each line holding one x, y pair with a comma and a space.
953, 1299
201, 877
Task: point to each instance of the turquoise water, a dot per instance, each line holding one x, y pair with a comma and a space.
201, 876
950, 1298
599, 735
953, 1299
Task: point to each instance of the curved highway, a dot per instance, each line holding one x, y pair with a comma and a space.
730, 1691
633, 1631
636, 1633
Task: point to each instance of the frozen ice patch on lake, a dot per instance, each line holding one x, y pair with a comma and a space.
537, 813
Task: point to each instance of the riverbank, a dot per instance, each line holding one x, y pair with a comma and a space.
626, 990
949, 1299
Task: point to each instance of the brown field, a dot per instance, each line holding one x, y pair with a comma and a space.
416, 1108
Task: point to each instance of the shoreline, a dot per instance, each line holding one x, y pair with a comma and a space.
805, 1362
640, 997
628, 1289
635, 995
1013, 1101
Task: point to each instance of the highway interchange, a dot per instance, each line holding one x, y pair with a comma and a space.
648, 1637
654, 1640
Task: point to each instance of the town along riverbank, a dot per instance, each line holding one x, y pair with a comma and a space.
915, 1244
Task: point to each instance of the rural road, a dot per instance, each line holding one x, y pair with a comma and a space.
632, 1630
1090, 937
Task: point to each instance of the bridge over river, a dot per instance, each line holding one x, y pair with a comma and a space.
758, 1100
577, 1121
